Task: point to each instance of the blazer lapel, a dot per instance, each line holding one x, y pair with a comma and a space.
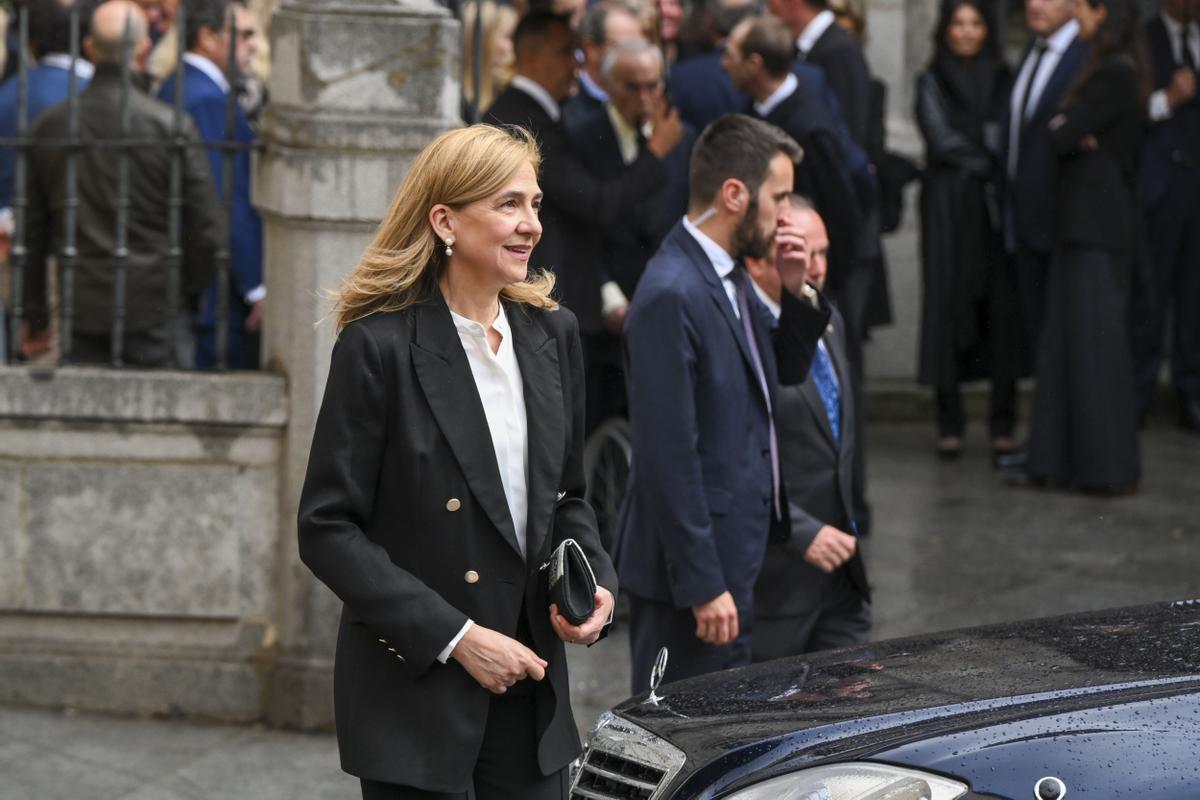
446, 379
537, 356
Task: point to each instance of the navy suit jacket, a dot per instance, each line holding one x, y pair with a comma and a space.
205, 102
47, 88
696, 516
630, 240
1171, 143
1029, 196
702, 91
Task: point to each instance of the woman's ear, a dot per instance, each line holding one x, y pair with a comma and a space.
440, 217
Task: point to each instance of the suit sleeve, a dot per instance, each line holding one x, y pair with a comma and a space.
573, 516
834, 190
39, 240
662, 367
337, 502
943, 144
1101, 103
848, 78
586, 198
202, 219
805, 528
800, 328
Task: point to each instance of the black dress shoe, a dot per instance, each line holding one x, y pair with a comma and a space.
949, 448
1013, 461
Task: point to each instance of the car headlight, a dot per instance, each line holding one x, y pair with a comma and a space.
854, 781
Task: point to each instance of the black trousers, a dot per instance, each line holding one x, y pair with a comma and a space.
1032, 268
839, 618
507, 766
653, 625
1002, 410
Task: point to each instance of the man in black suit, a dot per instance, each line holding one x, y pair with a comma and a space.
577, 206
1170, 193
605, 24
1052, 62
699, 87
822, 42
608, 142
812, 593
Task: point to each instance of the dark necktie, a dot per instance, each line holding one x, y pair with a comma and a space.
740, 281
1186, 58
827, 386
1039, 50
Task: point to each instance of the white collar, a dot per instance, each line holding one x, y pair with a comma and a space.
721, 261
1061, 39
83, 68
592, 88
1174, 28
768, 301
814, 30
785, 90
538, 93
477, 329
210, 69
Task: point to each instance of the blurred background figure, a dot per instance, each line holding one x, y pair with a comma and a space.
1083, 434
970, 315
496, 55
670, 25
1170, 195
605, 24
699, 87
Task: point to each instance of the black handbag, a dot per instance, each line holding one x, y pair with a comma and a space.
570, 582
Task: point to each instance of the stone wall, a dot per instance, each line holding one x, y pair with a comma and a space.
138, 519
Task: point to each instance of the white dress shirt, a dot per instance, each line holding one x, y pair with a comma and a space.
593, 89
814, 30
627, 135
538, 93
722, 262
1056, 45
83, 68
1160, 109
498, 380
785, 90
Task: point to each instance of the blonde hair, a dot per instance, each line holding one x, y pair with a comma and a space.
498, 21
405, 260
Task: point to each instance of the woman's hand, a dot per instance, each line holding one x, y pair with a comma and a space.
589, 631
495, 661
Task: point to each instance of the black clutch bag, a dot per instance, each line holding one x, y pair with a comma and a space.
570, 582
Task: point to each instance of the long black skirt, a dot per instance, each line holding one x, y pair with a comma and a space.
1083, 433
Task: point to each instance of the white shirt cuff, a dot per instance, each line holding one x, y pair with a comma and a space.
1160, 109
611, 298
255, 294
444, 656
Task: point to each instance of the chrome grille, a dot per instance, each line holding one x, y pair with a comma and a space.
625, 762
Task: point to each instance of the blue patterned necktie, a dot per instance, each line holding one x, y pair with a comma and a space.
827, 387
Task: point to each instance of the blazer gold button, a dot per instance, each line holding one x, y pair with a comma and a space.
453, 504
471, 577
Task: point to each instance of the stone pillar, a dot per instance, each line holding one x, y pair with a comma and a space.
358, 87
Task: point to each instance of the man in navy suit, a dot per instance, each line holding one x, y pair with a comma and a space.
704, 489
698, 87
1052, 62
206, 90
1170, 193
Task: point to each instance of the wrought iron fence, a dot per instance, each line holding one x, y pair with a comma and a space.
67, 253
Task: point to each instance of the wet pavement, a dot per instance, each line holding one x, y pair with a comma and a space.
952, 546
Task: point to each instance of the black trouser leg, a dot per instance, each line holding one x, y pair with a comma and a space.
1003, 409
952, 419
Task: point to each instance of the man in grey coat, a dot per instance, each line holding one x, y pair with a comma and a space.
812, 593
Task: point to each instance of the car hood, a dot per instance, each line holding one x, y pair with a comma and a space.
863, 701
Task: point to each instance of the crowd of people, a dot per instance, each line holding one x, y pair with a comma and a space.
170, 306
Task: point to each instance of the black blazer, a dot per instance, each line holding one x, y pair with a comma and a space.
630, 241
822, 174
403, 506
1095, 198
1173, 144
841, 57
1029, 195
576, 206
818, 471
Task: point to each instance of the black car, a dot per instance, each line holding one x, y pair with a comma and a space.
1101, 705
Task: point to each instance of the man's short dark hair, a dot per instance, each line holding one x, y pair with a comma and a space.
594, 24
50, 25
769, 39
736, 146
726, 17
534, 28
211, 14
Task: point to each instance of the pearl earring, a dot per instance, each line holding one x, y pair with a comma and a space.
449, 246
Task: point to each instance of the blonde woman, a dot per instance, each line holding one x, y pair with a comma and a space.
447, 457
496, 54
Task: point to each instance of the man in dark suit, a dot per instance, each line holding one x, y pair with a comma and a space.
1170, 194
1052, 62
704, 488
207, 95
812, 593
147, 338
820, 41
576, 206
604, 24
698, 86
608, 141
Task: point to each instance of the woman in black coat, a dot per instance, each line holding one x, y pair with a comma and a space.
970, 320
1084, 430
447, 460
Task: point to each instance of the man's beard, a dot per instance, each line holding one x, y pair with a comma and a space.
749, 241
